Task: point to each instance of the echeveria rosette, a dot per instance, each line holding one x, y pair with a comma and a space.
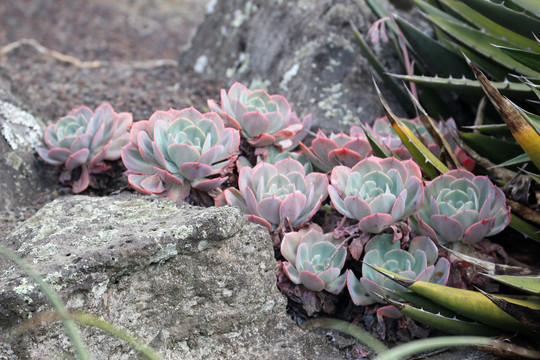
462, 207
263, 119
314, 259
339, 149
418, 263
377, 192
176, 150
85, 139
278, 194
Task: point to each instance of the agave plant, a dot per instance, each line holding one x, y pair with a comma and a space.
339, 149
85, 139
176, 150
377, 192
418, 263
278, 194
314, 259
462, 207
263, 119
499, 38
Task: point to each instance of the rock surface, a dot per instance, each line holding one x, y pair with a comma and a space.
195, 283
20, 134
303, 49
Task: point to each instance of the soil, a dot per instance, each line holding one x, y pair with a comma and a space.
136, 43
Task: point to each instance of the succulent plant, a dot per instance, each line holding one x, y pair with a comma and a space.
277, 194
339, 149
314, 259
377, 192
85, 139
176, 150
272, 155
263, 119
460, 206
418, 263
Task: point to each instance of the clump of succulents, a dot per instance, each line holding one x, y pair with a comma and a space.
262, 119
418, 263
314, 259
177, 150
280, 194
377, 192
339, 149
462, 207
85, 139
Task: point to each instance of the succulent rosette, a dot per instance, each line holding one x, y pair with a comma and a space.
278, 194
263, 119
462, 207
314, 259
85, 139
377, 192
176, 150
339, 149
418, 263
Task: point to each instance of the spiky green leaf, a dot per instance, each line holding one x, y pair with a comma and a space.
467, 86
449, 325
526, 57
478, 20
530, 5
525, 228
483, 43
432, 53
517, 21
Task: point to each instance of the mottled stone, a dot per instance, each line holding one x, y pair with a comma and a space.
305, 50
195, 283
21, 173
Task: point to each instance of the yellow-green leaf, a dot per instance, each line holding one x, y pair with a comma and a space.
446, 324
431, 165
524, 133
530, 284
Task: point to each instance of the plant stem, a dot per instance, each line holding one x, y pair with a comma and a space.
347, 328
418, 346
336, 251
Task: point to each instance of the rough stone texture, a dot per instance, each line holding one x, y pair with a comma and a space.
303, 49
22, 176
195, 283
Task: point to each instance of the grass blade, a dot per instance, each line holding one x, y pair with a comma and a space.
92, 320
71, 328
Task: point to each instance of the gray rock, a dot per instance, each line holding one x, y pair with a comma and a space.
303, 49
22, 175
195, 283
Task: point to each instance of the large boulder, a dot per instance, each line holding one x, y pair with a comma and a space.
305, 50
195, 283
22, 176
